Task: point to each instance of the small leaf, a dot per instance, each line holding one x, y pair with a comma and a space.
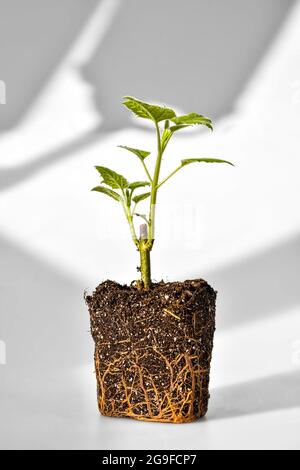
138, 184
141, 197
111, 178
143, 216
128, 197
141, 154
187, 161
166, 136
108, 192
168, 132
193, 118
148, 111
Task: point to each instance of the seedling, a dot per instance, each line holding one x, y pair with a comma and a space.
129, 195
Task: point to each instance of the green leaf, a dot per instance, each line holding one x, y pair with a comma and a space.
127, 197
148, 111
187, 161
141, 154
108, 192
179, 127
143, 216
141, 197
168, 132
138, 184
111, 178
166, 136
193, 118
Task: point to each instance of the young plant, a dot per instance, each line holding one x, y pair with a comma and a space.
119, 188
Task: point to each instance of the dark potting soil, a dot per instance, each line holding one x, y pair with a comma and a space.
153, 349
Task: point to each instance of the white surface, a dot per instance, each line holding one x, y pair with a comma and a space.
243, 236
254, 405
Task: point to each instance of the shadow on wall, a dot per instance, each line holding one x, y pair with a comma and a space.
259, 286
277, 392
34, 37
157, 50
10, 177
44, 320
44, 323
196, 55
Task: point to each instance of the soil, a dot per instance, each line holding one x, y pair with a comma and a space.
153, 349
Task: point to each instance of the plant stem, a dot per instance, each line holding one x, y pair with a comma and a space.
170, 176
154, 187
145, 256
147, 171
147, 239
145, 243
145, 266
129, 218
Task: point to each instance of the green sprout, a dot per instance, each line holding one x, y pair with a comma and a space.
118, 187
